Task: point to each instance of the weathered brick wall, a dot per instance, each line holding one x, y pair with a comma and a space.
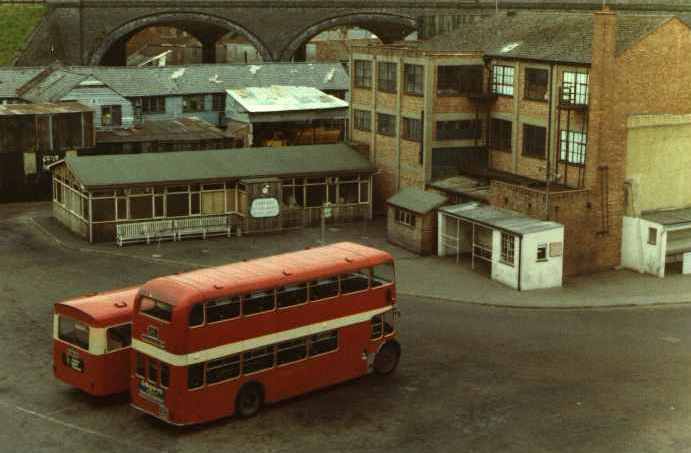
407, 237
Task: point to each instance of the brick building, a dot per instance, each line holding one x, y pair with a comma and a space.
535, 105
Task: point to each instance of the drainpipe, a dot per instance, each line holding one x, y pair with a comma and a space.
550, 105
520, 260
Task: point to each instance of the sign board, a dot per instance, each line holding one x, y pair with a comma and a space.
556, 249
264, 207
686, 263
328, 211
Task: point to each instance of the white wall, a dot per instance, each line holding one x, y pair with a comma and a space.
541, 274
636, 253
501, 272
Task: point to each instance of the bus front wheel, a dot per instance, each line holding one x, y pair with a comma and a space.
386, 360
249, 400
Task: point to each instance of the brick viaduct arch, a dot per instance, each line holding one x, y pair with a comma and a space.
204, 27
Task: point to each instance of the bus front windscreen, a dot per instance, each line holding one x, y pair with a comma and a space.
156, 309
73, 332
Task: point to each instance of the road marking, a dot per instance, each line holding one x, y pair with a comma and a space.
673, 340
77, 428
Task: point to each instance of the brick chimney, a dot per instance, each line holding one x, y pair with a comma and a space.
602, 84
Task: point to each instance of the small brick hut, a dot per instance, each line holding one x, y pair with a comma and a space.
412, 219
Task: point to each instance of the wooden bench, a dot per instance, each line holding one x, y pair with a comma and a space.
144, 231
202, 226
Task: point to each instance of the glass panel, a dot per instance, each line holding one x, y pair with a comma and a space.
377, 324
222, 309
382, 273
258, 359
291, 351
165, 375
323, 342
353, 282
292, 295
156, 309
195, 376
141, 208
258, 302
324, 288
197, 315
139, 367
103, 210
177, 205
119, 337
73, 332
223, 369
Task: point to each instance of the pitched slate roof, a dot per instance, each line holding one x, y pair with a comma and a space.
562, 37
417, 200
173, 80
222, 164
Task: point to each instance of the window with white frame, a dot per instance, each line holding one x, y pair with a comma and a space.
507, 249
502, 80
405, 217
572, 147
574, 88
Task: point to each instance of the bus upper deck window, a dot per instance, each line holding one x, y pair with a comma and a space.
382, 273
73, 332
156, 309
119, 337
197, 315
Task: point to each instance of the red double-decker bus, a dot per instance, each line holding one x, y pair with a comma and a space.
91, 341
225, 340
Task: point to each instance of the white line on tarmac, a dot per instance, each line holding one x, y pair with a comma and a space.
77, 428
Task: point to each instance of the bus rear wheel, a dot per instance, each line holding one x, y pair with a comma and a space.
249, 400
386, 360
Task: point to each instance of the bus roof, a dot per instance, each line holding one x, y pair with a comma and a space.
102, 309
265, 273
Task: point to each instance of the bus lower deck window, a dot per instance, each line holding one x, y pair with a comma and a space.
258, 359
323, 342
195, 376
291, 351
223, 369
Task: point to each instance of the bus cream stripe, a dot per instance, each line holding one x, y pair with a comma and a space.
245, 345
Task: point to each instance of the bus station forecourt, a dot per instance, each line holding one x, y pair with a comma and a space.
511, 379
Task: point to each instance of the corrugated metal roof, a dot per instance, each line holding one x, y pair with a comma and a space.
179, 129
669, 216
43, 108
563, 37
417, 200
500, 218
224, 164
280, 98
181, 80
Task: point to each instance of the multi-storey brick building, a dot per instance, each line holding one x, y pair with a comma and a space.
536, 105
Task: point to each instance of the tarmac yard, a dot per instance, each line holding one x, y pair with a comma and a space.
471, 378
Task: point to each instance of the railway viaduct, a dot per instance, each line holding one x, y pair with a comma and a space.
96, 31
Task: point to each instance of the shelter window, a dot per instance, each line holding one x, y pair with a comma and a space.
291, 351
153, 104
362, 120
507, 249
111, 115
574, 88
364, 191
536, 81
414, 79
412, 129
141, 207
500, 134
258, 302
572, 147
222, 309
73, 332
119, 337
354, 282
387, 77
323, 342
542, 252
405, 217
223, 369
459, 130
652, 236
156, 309
324, 288
386, 124
459, 80
103, 209
502, 80
218, 102
193, 103
290, 295
258, 359
177, 201
534, 141
363, 74
316, 195
348, 192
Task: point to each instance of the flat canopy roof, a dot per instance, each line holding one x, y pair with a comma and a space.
45, 108
417, 200
180, 129
668, 217
215, 165
279, 98
500, 218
